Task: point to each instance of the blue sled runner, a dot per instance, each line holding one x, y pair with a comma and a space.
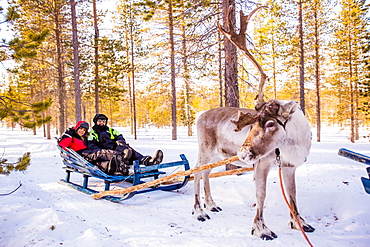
359, 158
75, 163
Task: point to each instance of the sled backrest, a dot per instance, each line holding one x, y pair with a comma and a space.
73, 160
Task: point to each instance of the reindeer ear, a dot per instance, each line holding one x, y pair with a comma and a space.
243, 120
287, 109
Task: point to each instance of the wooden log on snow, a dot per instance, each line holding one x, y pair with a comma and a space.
164, 179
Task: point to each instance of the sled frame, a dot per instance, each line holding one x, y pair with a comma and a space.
74, 163
359, 158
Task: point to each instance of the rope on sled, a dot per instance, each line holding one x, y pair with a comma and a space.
164, 179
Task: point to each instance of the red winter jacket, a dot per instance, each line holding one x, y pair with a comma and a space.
72, 140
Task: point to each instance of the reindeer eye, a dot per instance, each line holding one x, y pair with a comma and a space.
270, 124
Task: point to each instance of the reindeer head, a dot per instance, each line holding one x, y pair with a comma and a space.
268, 129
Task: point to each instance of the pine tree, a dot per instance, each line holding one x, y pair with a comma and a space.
349, 34
130, 30
53, 55
316, 45
364, 68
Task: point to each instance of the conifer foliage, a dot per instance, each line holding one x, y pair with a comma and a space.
28, 115
21, 165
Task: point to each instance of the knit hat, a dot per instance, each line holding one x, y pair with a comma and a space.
82, 124
100, 116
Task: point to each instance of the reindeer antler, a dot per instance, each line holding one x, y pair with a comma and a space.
239, 40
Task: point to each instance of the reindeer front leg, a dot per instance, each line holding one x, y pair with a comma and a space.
259, 229
290, 190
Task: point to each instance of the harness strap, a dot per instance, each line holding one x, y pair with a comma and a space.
281, 123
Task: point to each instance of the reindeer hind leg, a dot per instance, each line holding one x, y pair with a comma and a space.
198, 210
209, 203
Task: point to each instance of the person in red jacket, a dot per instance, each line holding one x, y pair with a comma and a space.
109, 161
74, 138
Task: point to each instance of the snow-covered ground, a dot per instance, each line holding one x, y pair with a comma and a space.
45, 213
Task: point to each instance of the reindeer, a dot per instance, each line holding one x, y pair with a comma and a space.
255, 135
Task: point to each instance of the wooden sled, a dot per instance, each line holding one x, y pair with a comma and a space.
359, 158
75, 163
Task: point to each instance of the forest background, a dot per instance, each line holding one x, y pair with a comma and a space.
159, 63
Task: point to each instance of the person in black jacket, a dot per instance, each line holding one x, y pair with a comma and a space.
109, 161
108, 138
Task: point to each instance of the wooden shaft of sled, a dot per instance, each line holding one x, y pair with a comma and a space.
227, 173
230, 172
164, 179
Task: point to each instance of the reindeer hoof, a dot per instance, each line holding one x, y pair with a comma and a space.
203, 218
308, 228
216, 209
269, 237
265, 236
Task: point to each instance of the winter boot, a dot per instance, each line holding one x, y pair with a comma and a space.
157, 158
